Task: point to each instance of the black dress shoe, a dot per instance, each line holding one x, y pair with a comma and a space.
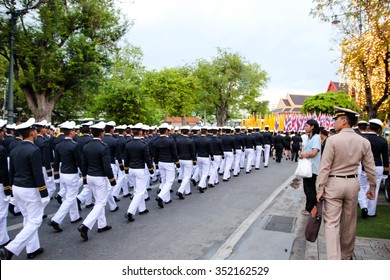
77, 220
225, 180
171, 191
11, 209
5, 254
211, 185
149, 189
216, 183
200, 190
235, 175
169, 201
364, 213
116, 199
127, 195
44, 216
144, 212
194, 182
5, 244
188, 193
158, 191
160, 202
58, 198
115, 209
83, 232
129, 217
32, 255
106, 228
55, 225
131, 196
179, 181
147, 199
89, 205
180, 195
257, 168
78, 204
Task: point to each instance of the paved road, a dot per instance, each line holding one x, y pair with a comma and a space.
194, 228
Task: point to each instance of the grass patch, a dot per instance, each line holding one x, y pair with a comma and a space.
378, 227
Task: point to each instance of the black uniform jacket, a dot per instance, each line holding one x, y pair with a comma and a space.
26, 167
137, 155
68, 154
186, 148
203, 146
95, 160
164, 150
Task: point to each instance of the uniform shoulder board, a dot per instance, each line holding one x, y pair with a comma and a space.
103, 143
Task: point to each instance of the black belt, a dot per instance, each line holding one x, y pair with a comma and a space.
344, 176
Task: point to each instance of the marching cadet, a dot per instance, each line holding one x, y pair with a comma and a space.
296, 145
259, 147
85, 196
204, 153
338, 185
187, 158
5, 192
9, 137
165, 159
379, 150
12, 207
122, 178
229, 151
267, 137
97, 172
30, 192
217, 148
244, 152
44, 145
135, 157
67, 163
279, 145
115, 154
250, 149
239, 144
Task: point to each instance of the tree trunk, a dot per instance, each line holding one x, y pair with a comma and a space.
368, 91
222, 112
41, 104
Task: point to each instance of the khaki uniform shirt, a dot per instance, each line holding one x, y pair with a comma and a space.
342, 156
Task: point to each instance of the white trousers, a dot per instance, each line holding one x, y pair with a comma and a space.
4, 237
364, 202
51, 187
203, 165
250, 156
85, 196
267, 148
242, 159
29, 201
98, 186
186, 167
167, 174
140, 178
121, 184
214, 169
237, 159
229, 159
69, 205
258, 158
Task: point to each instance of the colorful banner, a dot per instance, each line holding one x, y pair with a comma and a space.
287, 122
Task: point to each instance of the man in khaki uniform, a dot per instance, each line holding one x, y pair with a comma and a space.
338, 184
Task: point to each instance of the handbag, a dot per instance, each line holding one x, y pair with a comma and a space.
303, 169
314, 222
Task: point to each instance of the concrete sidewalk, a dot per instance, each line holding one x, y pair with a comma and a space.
275, 231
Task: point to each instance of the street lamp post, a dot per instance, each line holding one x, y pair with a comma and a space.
15, 14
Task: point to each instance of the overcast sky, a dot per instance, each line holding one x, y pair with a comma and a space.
280, 35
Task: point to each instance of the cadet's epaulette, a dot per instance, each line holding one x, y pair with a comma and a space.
103, 143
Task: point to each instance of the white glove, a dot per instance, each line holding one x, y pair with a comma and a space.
56, 181
12, 199
7, 198
45, 200
384, 178
86, 186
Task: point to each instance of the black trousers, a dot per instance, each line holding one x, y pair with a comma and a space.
309, 187
294, 154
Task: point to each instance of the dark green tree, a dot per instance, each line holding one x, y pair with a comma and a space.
62, 49
325, 102
227, 81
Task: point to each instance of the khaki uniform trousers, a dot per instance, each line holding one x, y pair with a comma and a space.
341, 196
